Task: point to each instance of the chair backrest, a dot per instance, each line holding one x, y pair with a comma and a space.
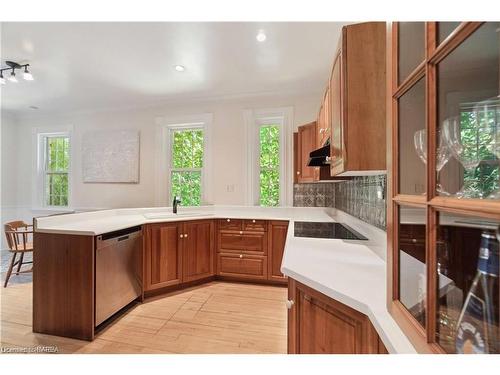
16, 241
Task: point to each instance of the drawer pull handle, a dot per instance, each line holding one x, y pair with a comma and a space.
228, 220
241, 256
241, 232
414, 240
253, 221
289, 303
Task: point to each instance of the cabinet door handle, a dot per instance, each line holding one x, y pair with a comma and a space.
289, 303
298, 172
185, 235
241, 232
241, 256
181, 236
414, 240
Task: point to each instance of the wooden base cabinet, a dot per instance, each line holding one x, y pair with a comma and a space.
251, 249
277, 238
318, 324
178, 252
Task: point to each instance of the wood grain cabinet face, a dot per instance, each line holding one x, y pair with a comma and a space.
242, 266
277, 238
242, 241
306, 144
163, 255
198, 250
358, 97
321, 325
231, 224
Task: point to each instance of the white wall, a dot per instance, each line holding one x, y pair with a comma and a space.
228, 151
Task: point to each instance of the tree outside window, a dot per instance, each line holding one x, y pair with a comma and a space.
485, 178
269, 163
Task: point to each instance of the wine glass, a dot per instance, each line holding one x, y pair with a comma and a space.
464, 145
443, 153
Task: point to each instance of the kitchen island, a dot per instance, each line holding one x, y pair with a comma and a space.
350, 272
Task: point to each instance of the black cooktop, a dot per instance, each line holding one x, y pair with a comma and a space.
326, 230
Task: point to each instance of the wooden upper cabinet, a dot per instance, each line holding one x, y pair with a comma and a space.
306, 144
336, 141
277, 238
358, 92
198, 250
324, 123
163, 255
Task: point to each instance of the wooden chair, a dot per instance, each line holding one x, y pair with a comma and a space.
18, 236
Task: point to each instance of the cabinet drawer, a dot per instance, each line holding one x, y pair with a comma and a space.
255, 225
231, 224
242, 265
242, 241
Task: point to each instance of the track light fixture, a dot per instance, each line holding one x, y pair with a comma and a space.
12, 66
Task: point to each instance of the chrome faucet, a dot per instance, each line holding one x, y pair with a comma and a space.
176, 202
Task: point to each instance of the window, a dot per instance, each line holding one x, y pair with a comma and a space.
269, 142
54, 161
269, 165
186, 165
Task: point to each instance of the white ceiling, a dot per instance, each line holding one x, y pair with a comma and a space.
92, 66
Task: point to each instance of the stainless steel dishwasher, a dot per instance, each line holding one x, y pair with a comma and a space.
118, 276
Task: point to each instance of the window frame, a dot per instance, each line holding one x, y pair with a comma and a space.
40, 136
254, 119
171, 169
163, 155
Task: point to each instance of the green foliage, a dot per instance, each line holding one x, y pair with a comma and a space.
485, 177
187, 161
56, 180
269, 162
187, 150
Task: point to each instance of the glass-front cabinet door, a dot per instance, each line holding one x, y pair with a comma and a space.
468, 117
444, 206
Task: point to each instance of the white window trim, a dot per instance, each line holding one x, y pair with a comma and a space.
253, 120
38, 191
163, 155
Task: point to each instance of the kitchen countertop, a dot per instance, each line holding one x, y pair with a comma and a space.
352, 272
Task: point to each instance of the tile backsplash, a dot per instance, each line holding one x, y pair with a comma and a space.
362, 197
313, 195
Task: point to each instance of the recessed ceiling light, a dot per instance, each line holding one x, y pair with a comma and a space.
261, 36
180, 68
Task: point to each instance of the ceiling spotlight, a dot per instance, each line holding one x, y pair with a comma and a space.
27, 75
179, 68
261, 36
12, 76
2, 80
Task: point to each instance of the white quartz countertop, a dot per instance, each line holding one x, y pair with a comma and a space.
351, 272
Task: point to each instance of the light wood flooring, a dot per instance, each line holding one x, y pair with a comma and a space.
217, 317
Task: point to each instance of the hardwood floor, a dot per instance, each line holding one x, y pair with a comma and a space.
217, 317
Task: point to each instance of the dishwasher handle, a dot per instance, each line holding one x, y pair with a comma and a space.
111, 238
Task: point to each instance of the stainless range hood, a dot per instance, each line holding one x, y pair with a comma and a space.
320, 157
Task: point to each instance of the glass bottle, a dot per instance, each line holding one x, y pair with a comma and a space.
478, 324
